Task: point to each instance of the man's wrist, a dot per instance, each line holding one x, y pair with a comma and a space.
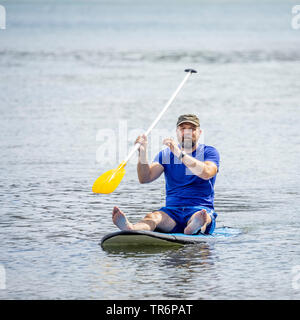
177, 151
181, 155
143, 159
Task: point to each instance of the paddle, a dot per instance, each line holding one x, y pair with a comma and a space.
109, 180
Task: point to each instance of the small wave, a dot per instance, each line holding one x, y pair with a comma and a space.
207, 57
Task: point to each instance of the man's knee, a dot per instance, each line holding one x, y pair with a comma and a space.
154, 216
163, 222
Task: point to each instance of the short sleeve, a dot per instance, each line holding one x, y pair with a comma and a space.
158, 158
163, 157
212, 154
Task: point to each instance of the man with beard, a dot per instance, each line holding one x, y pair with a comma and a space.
190, 172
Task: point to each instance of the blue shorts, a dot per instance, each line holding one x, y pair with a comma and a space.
181, 216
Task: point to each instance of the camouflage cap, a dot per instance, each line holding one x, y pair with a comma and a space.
191, 118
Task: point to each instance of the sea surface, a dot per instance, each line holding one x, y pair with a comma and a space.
79, 80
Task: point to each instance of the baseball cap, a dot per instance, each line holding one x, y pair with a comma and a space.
191, 118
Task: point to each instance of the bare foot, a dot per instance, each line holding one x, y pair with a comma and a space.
120, 220
198, 221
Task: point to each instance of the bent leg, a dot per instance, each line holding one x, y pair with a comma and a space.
198, 221
153, 220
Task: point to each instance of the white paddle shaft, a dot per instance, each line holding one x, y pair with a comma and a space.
137, 145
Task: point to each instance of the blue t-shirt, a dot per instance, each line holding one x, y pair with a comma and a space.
183, 188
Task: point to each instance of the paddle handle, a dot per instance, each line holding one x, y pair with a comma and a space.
137, 145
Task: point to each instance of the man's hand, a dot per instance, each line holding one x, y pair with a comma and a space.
142, 139
169, 142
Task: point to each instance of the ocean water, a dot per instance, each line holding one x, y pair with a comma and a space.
76, 74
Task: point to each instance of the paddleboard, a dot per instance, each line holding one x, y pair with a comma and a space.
152, 238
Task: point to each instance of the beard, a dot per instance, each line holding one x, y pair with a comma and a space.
188, 144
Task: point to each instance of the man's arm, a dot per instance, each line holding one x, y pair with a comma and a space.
147, 173
203, 169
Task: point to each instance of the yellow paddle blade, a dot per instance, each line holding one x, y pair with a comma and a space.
109, 180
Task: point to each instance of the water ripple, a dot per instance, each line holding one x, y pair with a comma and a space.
206, 57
